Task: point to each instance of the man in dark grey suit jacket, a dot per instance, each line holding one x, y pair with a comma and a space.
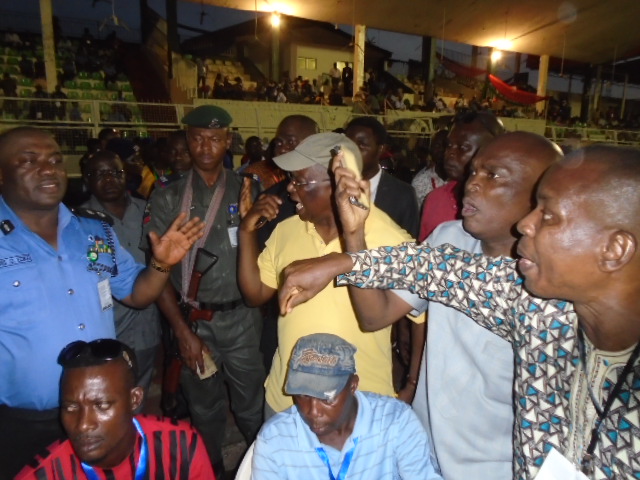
394, 197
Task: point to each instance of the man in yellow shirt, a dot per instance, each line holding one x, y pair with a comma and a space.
315, 231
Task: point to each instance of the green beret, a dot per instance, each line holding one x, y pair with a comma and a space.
207, 116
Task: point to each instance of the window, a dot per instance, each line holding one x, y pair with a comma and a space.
306, 63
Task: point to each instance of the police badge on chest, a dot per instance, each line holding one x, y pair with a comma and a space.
100, 255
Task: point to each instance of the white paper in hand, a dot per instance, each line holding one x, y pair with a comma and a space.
210, 367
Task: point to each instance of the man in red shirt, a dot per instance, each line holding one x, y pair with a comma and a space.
106, 441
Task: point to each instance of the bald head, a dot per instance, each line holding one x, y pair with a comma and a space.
526, 147
610, 178
501, 185
581, 241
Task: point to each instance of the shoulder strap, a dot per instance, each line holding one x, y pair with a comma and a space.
93, 214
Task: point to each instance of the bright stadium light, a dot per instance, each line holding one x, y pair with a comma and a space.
275, 20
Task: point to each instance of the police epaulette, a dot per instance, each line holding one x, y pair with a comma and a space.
93, 214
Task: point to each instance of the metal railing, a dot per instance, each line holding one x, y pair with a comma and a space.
73, 121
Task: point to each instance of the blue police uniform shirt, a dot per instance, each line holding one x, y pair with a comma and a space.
50, 298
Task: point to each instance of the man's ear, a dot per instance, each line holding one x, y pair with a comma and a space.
381, 150
229, 138
355, 380
137, 395
618, 251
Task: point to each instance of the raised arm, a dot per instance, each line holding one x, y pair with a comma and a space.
167, 250
253, 290
375, 309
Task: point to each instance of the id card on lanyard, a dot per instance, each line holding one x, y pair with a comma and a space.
344, 468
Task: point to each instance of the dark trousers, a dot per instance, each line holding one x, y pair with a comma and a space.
233, 338
23, 435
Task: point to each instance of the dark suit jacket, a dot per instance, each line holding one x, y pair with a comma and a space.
398, 200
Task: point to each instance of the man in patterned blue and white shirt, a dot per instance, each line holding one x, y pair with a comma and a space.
577, 377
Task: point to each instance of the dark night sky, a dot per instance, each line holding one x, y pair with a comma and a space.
76, 14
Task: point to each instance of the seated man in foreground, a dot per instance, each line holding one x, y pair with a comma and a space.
97, 400
576, 385
335, 431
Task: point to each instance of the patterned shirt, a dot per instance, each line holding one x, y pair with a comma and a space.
553, 408
425, 181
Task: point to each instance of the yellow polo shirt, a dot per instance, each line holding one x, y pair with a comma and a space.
330, 311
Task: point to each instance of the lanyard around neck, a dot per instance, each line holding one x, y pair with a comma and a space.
345, 463
587, 465
143, 458
188, 263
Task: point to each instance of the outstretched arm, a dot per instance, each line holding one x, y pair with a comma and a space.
168, 250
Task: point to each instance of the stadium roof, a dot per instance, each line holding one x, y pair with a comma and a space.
592, 31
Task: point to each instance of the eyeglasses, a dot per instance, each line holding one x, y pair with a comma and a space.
305, 183
101, 349
101, 174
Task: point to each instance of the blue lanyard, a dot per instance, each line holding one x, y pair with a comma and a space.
143, 460
345, 463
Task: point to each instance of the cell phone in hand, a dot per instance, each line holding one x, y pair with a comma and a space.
349, 161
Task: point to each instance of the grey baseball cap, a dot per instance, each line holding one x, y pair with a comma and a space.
316, 150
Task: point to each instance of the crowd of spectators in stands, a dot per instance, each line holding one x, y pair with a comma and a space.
86, 54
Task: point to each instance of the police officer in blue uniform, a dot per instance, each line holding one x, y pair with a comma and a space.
225, 328
58, 272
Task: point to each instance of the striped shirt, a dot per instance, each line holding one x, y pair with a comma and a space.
389, 441
176, 451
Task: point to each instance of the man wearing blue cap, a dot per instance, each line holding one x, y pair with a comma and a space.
335, 431
203, 304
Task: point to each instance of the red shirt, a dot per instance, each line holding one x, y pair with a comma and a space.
176, 451
440, 205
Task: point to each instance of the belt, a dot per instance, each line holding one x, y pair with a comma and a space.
221, 307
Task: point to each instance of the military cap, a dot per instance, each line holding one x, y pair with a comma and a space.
207, 116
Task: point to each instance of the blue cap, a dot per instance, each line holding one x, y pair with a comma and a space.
320, 366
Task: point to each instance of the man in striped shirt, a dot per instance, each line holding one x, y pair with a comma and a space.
106, 441
333, 430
